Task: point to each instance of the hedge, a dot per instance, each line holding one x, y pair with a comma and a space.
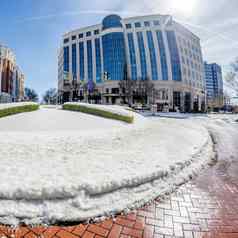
98, 112
18, 109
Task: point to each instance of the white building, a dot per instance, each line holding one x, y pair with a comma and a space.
152, 48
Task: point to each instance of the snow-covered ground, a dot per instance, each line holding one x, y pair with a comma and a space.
67, 166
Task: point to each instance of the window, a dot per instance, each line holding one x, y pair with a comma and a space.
147, 23
74, 61
96, 32
90, 60
80, 35
88, 33
142, 55
183, 60
163, 59
98, 60
81, 60
66, 59
113, 46
137, 24
74, 37
132, 56
128, 26
66, 40
156, 23
115, 91
174, 56
153, 60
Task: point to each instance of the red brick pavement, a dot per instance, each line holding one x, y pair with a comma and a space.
204, 208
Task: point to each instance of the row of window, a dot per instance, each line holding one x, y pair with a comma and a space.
174, 56
97, 31
193, 83
190, 73
114, 56
190, 63
81, 35
192, 55
145, 24
81, 60
142, 55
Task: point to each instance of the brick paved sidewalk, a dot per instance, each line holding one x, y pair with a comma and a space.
206, 207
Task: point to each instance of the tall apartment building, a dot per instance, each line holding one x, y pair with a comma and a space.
214, 85
154, 48
11, 77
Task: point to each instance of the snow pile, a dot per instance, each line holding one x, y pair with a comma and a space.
108, 108
83, 166
18, 104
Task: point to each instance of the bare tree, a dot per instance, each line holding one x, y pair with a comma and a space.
127, 87
31, 95
141, 89
50, 96
231, 78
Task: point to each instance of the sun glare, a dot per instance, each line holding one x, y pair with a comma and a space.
184, 7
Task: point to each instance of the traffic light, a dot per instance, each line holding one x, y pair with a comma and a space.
106, 76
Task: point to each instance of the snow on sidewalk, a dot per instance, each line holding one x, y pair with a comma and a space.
75, 166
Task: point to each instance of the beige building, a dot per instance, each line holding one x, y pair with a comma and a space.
11, 77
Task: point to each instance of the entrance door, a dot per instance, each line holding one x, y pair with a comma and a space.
176, 100
187, 102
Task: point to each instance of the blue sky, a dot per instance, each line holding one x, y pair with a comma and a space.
33, 29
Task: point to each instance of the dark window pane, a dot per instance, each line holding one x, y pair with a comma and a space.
88, 33
163, 60
81, 60
98, 61
156, 23
74, 61
153, 60
128, 26
142, 55
66, 40
174, 56
96, 32
147, 23
132, 56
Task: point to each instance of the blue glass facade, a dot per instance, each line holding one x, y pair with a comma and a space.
214, 82
110, 54
66, 59
132, 56
111, 21
90, 60
142, 55
74, 61
146, 48
81, 60
153, 60
174, 56
114, 55
163, 59
98, 61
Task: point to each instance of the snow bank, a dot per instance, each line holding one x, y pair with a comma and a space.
16, 108
75, 175
108, 111
18, 104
